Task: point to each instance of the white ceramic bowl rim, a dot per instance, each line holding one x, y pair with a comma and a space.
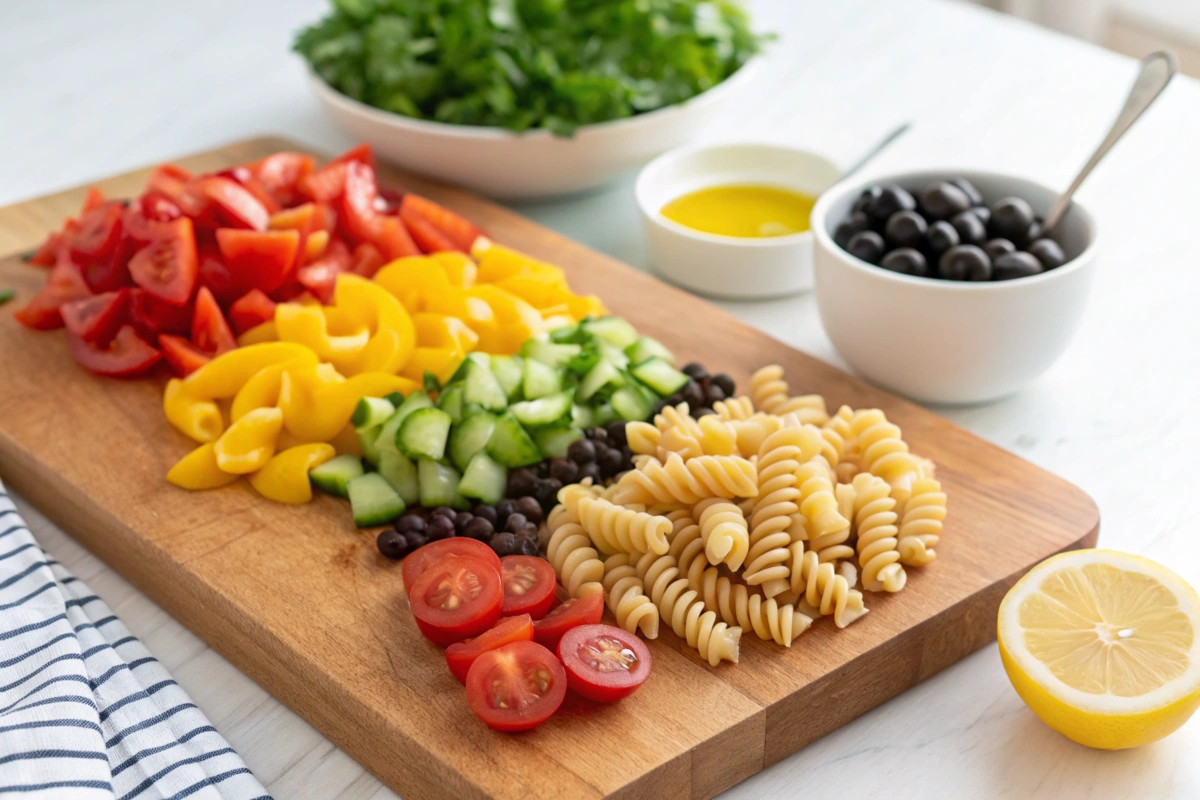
650, 171
820, 229
492, 132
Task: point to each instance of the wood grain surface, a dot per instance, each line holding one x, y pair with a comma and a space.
303, 603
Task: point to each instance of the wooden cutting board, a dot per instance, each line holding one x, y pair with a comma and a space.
303, 603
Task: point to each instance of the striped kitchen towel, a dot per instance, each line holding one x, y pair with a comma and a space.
85, 710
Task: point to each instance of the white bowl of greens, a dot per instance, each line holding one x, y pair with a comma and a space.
557, 101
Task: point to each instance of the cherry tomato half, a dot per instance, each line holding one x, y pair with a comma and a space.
516, 687
422, 558
461, 655
258, 259
576, 611
604, 663
64, 284
152, 315
166, 268
97, 318
183, 356
127, 355
456, 598
99, 233
251, 310
210, 330
529, 584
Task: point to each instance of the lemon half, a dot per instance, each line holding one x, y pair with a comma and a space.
1104, 647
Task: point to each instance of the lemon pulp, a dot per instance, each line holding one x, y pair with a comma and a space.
743, 211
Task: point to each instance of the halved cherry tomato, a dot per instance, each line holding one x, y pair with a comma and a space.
258, 260
461, 655
604, 663
367, 260
98, 318
127, 355
420, 559
152, 316
281, 172
360, 152
215, 274
94, 199
111, 272
166, 268
168, 179
586, 610
210, 331
458, 231
98, 235
64, 284
213, 201
456, 597
516, 687
183, 356
388, 200
157, 207
529, 584
326, 184
251, 310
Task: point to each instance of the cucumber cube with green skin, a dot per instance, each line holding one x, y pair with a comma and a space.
401, 475
614, 355
367, 438
371, 411
482, 388
646, 348
602, 375
438, 483
605, 414
508, 371
484, 479
660, 376
556, 355
632, 403
334, 474
424, 434
613, 330
511, 445
582, 417
539, 379
460, 374
552, 410
373, 501
387, 434
553, 442
471, 436
395, 398
451, 401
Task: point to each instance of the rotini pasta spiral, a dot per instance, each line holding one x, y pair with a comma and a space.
642, 438
769, 393
838, 446
775, 520
724, 531
734, 408
921, 523
823, 588
882, 451
689, 481
575, 561
826, 526
753, 431
680, 606
687, 546
613, 528
627, 597
749, 610
875, 526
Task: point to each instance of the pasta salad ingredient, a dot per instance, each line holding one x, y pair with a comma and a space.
529, 585
427, 555
456, 598
461, 655
604, 663
516, 687
585, 610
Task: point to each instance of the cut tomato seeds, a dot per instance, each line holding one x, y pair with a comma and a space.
605, 654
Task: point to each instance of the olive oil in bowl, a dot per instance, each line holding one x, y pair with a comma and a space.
742, 211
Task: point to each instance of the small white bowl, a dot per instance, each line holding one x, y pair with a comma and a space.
534, 164
945, 341
729, 266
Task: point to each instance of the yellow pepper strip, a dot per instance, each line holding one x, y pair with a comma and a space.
199, 470
316, 411
341, 322
394, 336
193, 417
586, 306
250, 442
505, 339
262, 390
227, 373
347, 441
508, 308
538, 294
414, 281
284, 478
497, 263
307, 325
441, 361
440, 330
474, 311
459, 268
263, 332
314, 245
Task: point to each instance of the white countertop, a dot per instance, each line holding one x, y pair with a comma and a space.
88, 89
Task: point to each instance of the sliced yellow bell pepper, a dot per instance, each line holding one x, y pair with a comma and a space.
441, 361
414, 281
538, 294
250, 442
474, 311
507, 307
459, 268
393, 335
284, 478
307, 325
262, 390
497, 262
316, 411
198, 470
441, 330
341, 322
586, 306
505, 339
263, 332
194, 417
227, 373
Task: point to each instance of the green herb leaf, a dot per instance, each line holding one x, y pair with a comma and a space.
6, 295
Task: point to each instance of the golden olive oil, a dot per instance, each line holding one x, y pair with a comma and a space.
748, 212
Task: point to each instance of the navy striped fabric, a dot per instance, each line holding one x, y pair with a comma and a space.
85, 710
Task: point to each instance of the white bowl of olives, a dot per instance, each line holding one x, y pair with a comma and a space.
938, 285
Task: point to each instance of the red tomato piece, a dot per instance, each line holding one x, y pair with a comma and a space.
359, 217
168, 179
98, 235
604, 663
258, 260
426, 236
516, 687
388, 200
47, 253
456, 598
320, 277
251, 310
560, 619
125, 356
254, 186
183, 356
152, 316
214, 274
139, 228
461, 655
326, 184
98, 318
210, 331
281, 172
367, 260
214, 201
393, 240
451, 226
64, 284
94, 199
157, 207
361, 152
529, 584
167, 267
420, 559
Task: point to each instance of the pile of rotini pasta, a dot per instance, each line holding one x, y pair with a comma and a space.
762, 516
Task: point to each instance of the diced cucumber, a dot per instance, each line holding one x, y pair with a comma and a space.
568, 334
511, 445
539, 379
387, 434
613, 330
371, 411
632, 403
614, 355
439, 484
482, 359
432, 384
424, 433
373, 501
660, 376
553, 442
481, 387
367, 437
508, 370
646, 348
470, 437
401, 475
603, 374
451, 401
334, 474
395, 398
582, 417
550, 353
544, 411
484, 479
582, 364
605, 414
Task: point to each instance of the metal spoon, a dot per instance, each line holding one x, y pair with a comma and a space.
876, 149
1157, 70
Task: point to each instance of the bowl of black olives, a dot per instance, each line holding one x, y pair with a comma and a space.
942, 286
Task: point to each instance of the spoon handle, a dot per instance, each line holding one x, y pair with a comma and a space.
1157, 70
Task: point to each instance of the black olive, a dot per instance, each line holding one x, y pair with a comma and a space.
487, 512
905, 229
479, 529
1016, 265
965, 262
547, 493
715, 394
906, 261
506, 506
658, 406
565, 470
527, 546
998, 247
941, 237
530, 508
984, 213
971, 229
520, 482
942, 200
890, 200
968, 188
516, 523
444, 511
616, 433
597, 434
392, 543
504, 544
581, 451
868, 195
726, 383
867, 245
674, 399
694, 369
439, 527
857, 222
410, 522
693, 395
416, 540
592, 470
1012, 218
611, 462
1049, 252
461, 519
